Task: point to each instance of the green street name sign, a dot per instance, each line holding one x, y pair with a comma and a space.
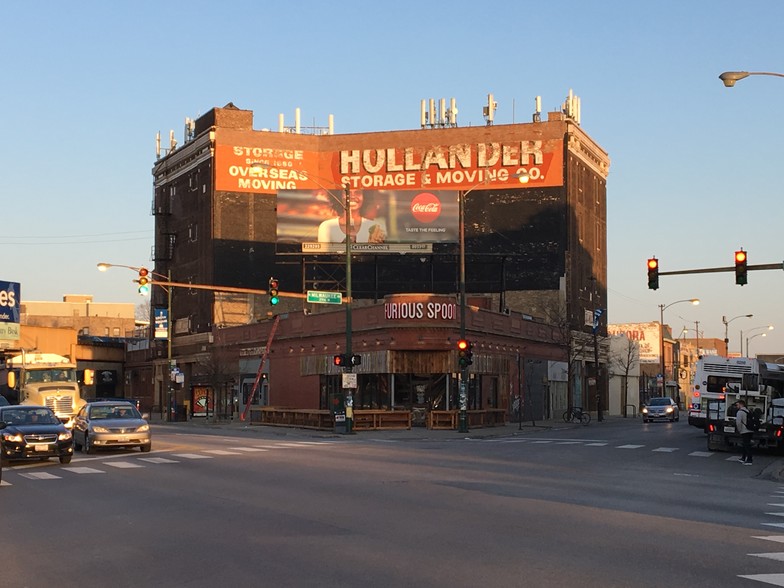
319, 297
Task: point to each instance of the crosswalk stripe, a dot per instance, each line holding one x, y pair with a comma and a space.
778, 525
250, 449
569, 443
192, 456
4, 483
777, 555
773, 579
701, 454
666, 449
221, 452
40, 476
777, 538
775, 514
158, 460
630, 446
84, 470
123, 465
595, 444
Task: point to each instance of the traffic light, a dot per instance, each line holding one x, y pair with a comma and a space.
144, 281
465, 353
340, 360
273, 292
356, 359
653, 273
741, 271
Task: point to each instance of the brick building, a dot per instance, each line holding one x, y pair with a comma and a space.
234, 206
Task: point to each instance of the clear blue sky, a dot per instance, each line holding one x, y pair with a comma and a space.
695, 166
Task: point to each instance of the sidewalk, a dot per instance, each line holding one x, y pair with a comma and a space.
415, 433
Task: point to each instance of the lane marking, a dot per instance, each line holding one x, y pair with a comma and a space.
40, 476
84, 470
192, 456
221, 452
774, 579
124, 465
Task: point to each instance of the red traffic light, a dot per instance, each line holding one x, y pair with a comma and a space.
741, 268
653, 263
462, 344
339, 360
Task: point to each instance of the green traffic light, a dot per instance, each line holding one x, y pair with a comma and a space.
274, 300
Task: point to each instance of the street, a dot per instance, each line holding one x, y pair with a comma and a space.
618, 503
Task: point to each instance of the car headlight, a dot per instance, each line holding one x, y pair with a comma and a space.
144, 428
100, 429
670, 409
645, 410
64, 436
13, 438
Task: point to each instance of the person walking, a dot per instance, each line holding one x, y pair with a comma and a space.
741, 420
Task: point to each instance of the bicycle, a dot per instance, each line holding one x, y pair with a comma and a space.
575, 414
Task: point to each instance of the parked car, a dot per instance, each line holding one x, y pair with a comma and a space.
4, 401
33, 432
108, 424
660, 408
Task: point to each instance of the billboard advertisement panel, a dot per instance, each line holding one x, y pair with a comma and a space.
383, 220
10, 301
646, 335
459, 166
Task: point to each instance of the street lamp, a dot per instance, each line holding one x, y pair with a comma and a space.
730, 77
768, 327
726, 332
662, 308
752, 337
103, 266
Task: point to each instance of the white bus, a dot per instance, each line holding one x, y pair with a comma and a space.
711, 378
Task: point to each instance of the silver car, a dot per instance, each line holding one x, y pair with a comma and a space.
110, 424
661, 408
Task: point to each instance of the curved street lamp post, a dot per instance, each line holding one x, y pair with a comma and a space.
767, 327
730, 77
726, 330
662, 308
103, 266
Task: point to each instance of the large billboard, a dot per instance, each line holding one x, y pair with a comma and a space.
380, 220
10, 300
459, 166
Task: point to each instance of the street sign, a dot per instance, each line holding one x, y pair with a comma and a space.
349, 380
320, 297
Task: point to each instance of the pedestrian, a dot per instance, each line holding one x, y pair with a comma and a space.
741, 418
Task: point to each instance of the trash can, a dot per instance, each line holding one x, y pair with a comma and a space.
340, 422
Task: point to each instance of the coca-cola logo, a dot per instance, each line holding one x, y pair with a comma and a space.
425, 207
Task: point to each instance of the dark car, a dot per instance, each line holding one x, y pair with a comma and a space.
4, 401
660, 408
33, 432
106, 424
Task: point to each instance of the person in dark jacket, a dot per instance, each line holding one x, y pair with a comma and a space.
741, 418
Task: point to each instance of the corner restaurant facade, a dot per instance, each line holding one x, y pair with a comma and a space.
408, 350
234, 206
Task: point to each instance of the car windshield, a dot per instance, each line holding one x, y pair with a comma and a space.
22, 415
659, 402
114, 411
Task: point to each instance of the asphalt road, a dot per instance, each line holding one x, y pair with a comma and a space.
616, 504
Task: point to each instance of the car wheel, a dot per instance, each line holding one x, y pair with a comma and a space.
146, 448
65, 459
88, 446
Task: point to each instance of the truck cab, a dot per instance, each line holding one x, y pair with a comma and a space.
46, 379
